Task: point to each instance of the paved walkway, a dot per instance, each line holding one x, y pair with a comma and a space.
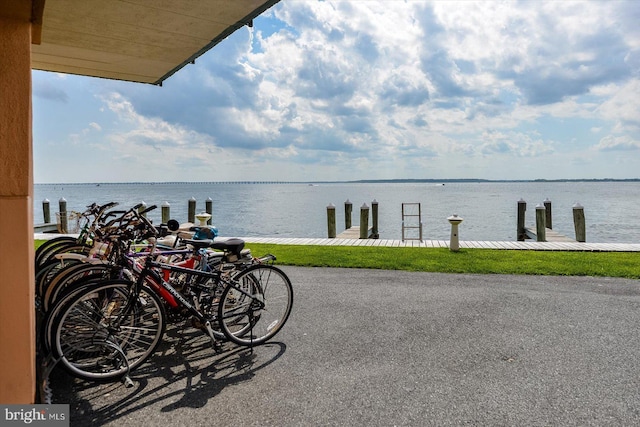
471, 244
382, 348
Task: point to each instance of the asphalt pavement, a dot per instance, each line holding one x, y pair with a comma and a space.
385, 348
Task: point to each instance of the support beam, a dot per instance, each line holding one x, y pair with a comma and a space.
17, 319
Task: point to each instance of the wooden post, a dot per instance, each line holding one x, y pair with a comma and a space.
166, 212
191, 215
541, 227
364, 221
374, 218
46, 211
331, 221
208, 207
348, 208
579, 223
62, 212
522, 208
142, 207
547, 207
19, 23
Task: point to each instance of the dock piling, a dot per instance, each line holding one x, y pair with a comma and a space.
191, 210
166, 212
541, 228
374, 219
548, 216
331, 221
522, 208
46, 211
348, 208
543, 231
141, 209
208, 207
579, 223
364, 221
62, 214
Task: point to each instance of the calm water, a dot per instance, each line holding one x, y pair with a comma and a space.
299, 210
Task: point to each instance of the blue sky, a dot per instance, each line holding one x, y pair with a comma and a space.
348, 90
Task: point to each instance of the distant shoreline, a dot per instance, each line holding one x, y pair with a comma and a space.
363, 181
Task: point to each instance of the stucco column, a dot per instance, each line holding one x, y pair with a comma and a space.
17, 329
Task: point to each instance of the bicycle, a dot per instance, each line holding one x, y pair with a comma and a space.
112, 259
94, 246
93, 216
104, 330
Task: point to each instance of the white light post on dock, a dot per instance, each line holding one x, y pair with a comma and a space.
203, 217
454, 242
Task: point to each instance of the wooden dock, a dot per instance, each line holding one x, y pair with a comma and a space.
464, 244
354, 233
51, 227
550, 235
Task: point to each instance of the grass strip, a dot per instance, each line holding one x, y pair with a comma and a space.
442, 260
472, 261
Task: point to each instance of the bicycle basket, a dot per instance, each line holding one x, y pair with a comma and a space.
68, 222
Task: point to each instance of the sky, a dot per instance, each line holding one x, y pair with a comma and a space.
351, 90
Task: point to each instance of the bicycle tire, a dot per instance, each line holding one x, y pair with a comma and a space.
44, 250
77, 248
72, 277
256, 305
45, 335
50, 270
107, 330
50, 315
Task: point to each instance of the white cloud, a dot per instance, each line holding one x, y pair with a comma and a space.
321, 83
623, 106
618, 143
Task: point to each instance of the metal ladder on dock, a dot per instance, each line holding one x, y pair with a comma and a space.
411, 221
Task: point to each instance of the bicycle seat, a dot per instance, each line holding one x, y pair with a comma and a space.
233, 245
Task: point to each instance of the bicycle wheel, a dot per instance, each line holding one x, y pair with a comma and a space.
49, 271
62, 249
108, 330
74, 276
52, 314
43, 253
256, 305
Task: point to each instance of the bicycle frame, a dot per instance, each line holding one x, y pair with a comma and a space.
150, 277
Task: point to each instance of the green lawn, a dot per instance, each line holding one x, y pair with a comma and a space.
474, 261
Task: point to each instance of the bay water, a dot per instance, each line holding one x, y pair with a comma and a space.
488, 209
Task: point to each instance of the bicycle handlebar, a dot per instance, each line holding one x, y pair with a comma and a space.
150, 208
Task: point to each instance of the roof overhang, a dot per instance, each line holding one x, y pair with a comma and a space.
135, 40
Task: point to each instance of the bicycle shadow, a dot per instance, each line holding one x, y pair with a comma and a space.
184, 372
